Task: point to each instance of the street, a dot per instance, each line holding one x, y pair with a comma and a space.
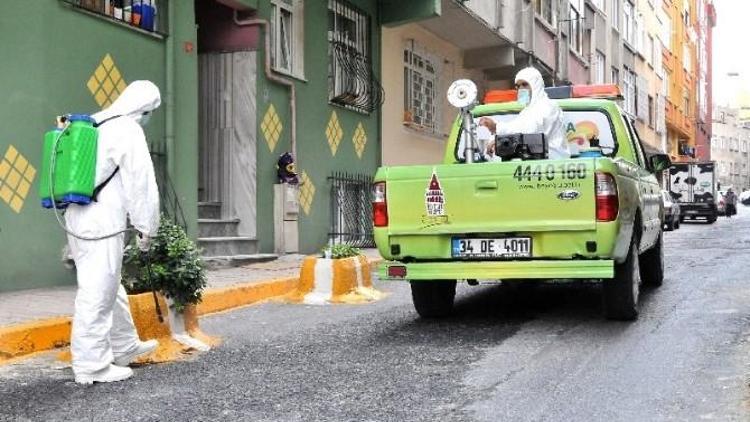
508, 354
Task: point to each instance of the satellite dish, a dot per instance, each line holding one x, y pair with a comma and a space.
462, 93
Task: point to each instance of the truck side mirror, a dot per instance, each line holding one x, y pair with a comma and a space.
659, 162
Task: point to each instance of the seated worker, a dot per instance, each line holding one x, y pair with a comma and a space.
539, 115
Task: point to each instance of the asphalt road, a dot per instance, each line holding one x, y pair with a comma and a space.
541, 354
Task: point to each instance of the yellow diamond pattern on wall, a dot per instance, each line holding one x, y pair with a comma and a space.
306, 193
106, 83
360, 140
334, 133
16, 177
271, 127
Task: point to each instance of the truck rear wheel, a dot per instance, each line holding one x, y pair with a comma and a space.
433, 298
652, 264
620, 293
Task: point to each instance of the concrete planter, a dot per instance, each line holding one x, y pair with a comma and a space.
345, 280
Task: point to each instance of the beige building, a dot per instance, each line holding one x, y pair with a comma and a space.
730, 146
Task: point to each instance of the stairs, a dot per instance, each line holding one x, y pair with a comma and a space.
221, 246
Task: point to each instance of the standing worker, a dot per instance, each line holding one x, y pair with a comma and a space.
539, 115
730, 199
103, 329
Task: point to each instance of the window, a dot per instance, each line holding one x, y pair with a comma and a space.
545, 9
629, 91
686, 57
649, 53
666, 32
581, 126
616, 14
651, 111
421, 90
286, 37
146, 15
351, 79
628, 26
600, 68
575, 30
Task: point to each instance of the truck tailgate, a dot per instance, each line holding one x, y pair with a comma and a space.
494, 197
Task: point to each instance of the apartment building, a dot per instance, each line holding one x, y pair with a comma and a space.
730, 146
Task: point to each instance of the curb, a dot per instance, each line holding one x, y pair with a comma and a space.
37, 336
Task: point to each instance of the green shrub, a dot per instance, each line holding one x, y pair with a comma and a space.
177, 270
340, 251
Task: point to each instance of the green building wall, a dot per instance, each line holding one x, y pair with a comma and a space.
50, 53
314, 155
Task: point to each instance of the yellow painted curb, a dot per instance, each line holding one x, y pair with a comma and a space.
38, 336
217, 300
26, 338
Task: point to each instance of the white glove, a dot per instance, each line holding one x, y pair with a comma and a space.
143, 242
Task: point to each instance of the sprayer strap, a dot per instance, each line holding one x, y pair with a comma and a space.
106, 120
101, 186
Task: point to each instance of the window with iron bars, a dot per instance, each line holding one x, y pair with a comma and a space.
145, 15
351, 78
421, 96
351, 210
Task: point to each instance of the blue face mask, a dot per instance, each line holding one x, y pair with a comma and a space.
524, 97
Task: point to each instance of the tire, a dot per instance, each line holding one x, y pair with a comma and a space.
433, 298
621, 293
711, 219
677, 224
652, 264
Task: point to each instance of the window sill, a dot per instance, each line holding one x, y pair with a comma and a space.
156, 35
546, 25
300, 78
422, 131
579, 57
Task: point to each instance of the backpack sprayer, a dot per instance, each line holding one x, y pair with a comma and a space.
69, 173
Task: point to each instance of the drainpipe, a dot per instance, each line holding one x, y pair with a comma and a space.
273, 77
169, 94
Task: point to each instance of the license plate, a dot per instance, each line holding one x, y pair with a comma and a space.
505, 247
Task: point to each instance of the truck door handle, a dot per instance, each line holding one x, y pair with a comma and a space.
487, 184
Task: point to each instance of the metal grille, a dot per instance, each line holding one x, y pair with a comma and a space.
146, 15
351, 79
168, 199
351, 210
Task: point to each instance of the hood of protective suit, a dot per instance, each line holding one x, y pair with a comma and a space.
139, 97
536, 82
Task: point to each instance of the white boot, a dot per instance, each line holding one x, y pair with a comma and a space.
112, 373
141, 348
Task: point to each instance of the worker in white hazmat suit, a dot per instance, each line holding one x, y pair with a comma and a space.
539, 115
104, 340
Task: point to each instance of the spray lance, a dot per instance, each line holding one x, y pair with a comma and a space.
69, 173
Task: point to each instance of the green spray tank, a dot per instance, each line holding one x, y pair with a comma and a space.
69, 162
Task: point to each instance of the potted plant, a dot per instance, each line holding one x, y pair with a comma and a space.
173, 267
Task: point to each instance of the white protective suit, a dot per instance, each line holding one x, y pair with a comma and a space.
541, 115
102, 324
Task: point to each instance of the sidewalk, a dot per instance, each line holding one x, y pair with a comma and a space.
226, 289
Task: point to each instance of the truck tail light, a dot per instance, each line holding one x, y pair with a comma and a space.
379, 205
607, 202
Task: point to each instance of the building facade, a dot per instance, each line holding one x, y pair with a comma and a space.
730, 146
229, 110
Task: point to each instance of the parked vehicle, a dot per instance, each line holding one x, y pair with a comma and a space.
671, 212
745, 197
525, 218
693, 186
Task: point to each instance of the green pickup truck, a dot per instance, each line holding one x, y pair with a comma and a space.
594, 217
